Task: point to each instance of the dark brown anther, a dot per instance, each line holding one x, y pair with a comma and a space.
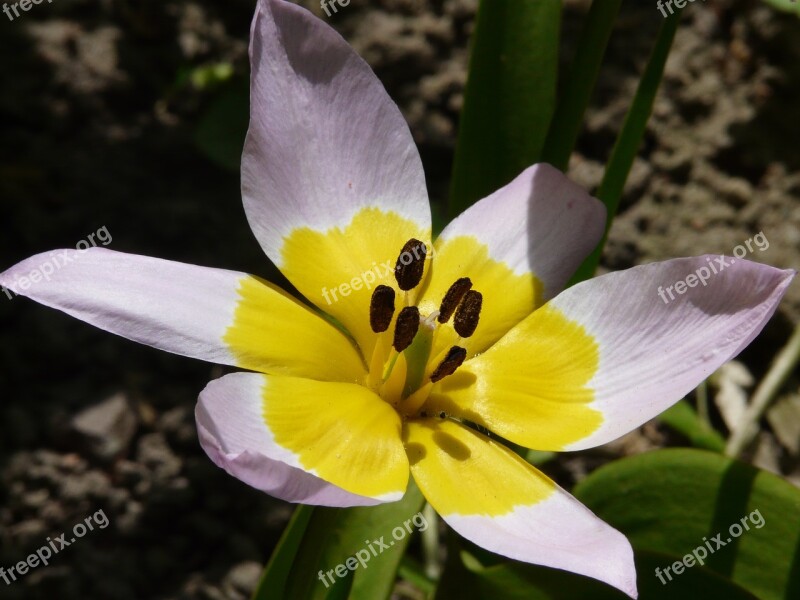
406, 328
381, 308
468, 314
455, 357
452, 298
410, 264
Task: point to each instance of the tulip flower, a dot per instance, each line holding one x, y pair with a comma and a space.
415, 357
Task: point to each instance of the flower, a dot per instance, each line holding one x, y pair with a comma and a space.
420, 339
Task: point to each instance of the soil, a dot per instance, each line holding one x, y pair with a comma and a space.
107, 122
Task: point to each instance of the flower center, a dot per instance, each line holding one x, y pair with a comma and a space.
402, 370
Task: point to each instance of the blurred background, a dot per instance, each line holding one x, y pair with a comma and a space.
130, 115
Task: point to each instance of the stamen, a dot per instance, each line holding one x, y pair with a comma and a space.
381, 308
410, 264
455, 357
453, 297
406, 328
468, 314
374, 377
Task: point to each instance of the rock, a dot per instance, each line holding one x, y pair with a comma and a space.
732, 379
784, 418
242, 579
36, 499
155, 454
92, 486
129, 521
106, 429
179, 427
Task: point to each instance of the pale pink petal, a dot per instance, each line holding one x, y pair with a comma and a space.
609, 354
518, 246
540, 223
325, 140
494, 498
653, 352
215, 315
234, 431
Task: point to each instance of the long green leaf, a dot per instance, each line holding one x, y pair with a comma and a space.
513, 580
509, 96
335, 535
676, 501
577, 90
377, 581
630, 137
273, 579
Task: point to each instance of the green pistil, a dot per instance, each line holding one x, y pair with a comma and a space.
417, 356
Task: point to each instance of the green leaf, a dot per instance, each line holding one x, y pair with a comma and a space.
209, 76
574, 98
412, 571
273, 579
674, 501
378, 580
514, 580
682, 418
334, 535
509, 96
630, 137
222, 128
538, 457
792, 6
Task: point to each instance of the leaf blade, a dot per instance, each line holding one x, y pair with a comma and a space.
630, 137
509, 97
696, 496
568, 118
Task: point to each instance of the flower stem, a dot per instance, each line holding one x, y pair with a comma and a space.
430, 543
779, 372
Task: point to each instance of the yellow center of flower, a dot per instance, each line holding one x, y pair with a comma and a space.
402, 369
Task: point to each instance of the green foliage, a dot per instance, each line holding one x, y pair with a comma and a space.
667, 503
671, 501
209, 76
222, 128
327, 538
792, 6
470, 579
577, 90
683, 419
273, 579
630, 137
509, 97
